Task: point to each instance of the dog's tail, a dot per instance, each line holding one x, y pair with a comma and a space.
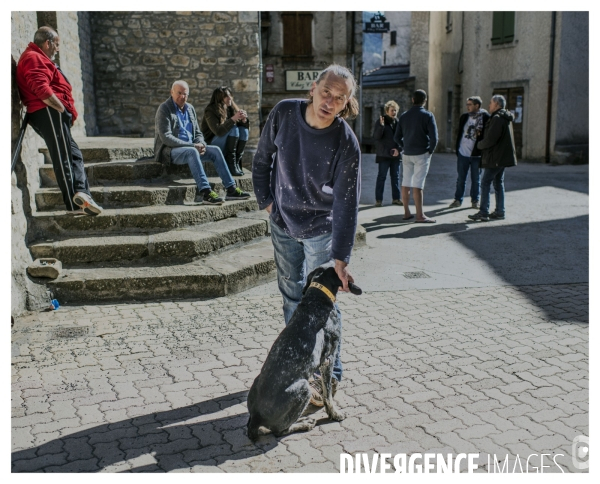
253, 426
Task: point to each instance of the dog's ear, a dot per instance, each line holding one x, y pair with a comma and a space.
354, 289
318, 271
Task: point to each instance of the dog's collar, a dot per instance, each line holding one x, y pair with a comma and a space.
324, 289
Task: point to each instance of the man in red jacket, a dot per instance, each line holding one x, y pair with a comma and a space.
46, 93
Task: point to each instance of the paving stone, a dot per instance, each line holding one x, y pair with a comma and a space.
177, 387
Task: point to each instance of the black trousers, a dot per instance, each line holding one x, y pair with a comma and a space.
66, 156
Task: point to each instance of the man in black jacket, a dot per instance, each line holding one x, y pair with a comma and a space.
470, 131
498, 152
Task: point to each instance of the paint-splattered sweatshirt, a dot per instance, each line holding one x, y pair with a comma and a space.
311, 176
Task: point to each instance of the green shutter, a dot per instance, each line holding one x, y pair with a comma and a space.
503, 27
497, 18
508, 27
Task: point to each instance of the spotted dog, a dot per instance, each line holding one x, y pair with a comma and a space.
281, 393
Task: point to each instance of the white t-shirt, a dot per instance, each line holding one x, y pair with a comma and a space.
469, 137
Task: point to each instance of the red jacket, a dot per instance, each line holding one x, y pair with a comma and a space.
38, 78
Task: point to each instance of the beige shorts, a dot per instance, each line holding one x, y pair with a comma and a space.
414, 170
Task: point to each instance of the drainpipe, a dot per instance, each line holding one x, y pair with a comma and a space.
550, 80
260, 71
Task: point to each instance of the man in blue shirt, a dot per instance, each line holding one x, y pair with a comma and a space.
179, 140
306, 174
416, 132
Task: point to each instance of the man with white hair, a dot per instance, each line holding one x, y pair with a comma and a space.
498, 152
178, 140
46, 92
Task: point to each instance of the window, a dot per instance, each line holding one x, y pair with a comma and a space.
393, 37
297, 34
503, 27
448, 21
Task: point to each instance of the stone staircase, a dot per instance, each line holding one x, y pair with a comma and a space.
151, 242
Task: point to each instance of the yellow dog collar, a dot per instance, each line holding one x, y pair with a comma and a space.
324, 289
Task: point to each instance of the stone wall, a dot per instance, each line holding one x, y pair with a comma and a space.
138, 55
25, 294
419, 49
70, 63
398, 54
571, 102
375, 98
87, 73
445, 79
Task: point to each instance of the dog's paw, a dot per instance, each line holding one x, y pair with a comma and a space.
337, 416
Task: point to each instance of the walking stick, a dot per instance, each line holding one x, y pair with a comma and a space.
19, 141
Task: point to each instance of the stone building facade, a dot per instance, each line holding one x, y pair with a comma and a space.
464, 60
121, 66
304, 43
138, 55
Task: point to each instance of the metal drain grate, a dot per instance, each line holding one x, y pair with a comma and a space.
70, 332
416, 275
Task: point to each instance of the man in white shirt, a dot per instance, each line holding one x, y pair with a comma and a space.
470, 131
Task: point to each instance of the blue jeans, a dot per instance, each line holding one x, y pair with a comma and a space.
237, 132
190, 155
295, 259
495, 175
394, 168
463, 163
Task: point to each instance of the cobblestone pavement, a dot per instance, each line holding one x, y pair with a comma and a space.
502, 371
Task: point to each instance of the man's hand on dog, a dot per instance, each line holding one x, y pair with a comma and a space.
341, 269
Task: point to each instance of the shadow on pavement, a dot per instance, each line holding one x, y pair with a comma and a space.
555, 251
168, 436
425, 230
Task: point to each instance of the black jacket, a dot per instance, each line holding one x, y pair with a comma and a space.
384, 139
498, 146
461, 126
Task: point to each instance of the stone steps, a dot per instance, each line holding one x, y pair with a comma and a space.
100, 148
173, 192
138, 219
183, 244
127, 172
151, 242
217, 275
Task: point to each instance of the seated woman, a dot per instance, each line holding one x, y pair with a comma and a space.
226, 126
388, 154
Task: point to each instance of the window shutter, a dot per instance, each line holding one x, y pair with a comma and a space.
297, 34
508, 27
497, 21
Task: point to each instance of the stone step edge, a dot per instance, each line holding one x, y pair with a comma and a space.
50, 199
198, 280
133, 220
181, 244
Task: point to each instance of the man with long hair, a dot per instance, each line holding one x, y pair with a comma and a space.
306, 174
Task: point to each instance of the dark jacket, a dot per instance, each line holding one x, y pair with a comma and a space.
212, 126
416, 131
384, 139
498, 146
166, 129
461, 126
